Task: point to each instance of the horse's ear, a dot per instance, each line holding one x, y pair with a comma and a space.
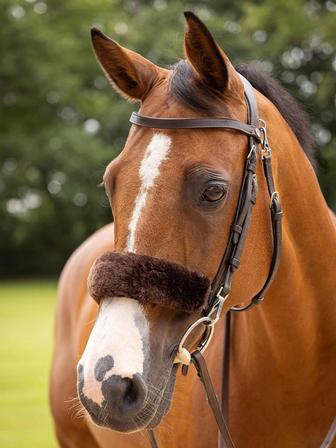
131, 74
208, 59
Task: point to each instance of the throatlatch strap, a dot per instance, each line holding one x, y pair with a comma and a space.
276, 218
251, 100
231, 258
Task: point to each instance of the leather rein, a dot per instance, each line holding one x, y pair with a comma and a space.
256, 131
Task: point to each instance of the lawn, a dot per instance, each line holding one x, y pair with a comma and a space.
26, 329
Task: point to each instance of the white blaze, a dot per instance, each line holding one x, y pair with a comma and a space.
156, 152
121, 331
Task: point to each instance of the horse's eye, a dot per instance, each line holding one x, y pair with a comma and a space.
214, 193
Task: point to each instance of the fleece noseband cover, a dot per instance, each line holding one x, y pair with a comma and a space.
148, 280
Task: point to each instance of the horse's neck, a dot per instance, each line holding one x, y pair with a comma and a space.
302, 298
282, 352
285, 347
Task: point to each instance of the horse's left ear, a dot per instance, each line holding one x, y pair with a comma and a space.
208, 59
131, 74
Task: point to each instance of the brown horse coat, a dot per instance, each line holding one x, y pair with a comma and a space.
283, 355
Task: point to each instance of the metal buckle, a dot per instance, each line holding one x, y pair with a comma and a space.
265, 151
265, 147
217, 307
183, 356
252, 150
275, 195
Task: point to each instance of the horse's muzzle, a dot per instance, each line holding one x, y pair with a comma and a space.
148, 280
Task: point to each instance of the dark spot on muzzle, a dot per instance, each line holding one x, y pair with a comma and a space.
102, 366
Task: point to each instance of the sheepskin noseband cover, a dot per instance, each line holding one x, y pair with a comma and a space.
148, 280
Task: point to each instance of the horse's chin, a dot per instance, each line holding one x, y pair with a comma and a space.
148, 417
165, 402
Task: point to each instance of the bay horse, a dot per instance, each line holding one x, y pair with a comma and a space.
174, 195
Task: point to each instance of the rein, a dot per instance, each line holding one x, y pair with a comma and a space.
256, 131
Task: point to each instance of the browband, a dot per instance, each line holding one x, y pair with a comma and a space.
195, 123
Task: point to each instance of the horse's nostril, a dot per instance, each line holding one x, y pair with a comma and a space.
131, 391
124, 396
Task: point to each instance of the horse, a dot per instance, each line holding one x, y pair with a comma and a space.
174, 194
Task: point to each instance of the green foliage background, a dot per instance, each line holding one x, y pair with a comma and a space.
61, 123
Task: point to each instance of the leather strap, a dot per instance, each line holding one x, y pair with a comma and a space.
226, 365
203, 373
195, 123
152, 439
239, 229
330, 437
276, 219
226, 371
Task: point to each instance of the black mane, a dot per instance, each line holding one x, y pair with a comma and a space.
190, 91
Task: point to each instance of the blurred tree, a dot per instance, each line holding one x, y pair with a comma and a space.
61, 123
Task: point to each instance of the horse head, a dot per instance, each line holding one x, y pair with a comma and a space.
173, 193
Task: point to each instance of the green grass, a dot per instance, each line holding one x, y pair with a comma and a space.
26, 330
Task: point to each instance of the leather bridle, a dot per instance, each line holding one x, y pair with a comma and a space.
256, 131
258, 146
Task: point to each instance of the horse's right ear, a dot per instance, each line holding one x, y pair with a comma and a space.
131, 74
208, 60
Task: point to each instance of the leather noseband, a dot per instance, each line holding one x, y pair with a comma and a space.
148, 280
